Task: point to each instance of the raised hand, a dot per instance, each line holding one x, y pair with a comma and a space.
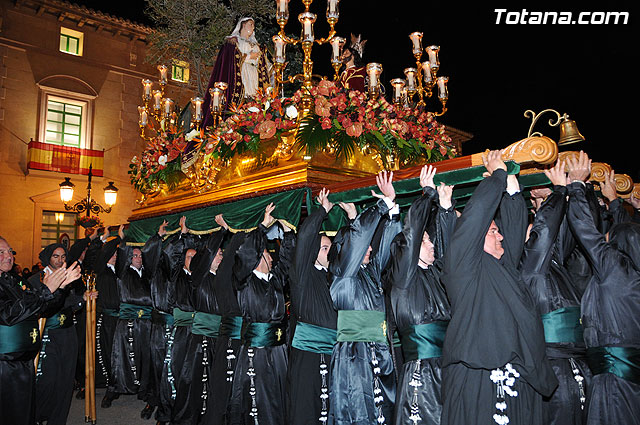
426, 176
121, 231
105, 233
384, 180
53, 280
492, 161
183, 225
162, 230
73, 273
323, 199
579, 169
349, 208
268, 219
608, 186
445, 194
556, 174
221, 222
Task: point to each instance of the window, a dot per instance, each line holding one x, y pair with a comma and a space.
56, 224
71, 41
64, 122
180, 71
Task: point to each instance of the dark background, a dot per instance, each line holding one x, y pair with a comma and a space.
498, 71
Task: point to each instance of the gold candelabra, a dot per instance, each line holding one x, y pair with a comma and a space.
421, 80
306, 41
157, 112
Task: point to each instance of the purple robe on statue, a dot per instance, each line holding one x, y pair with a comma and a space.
227, 68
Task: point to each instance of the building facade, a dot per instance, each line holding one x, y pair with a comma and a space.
70, 85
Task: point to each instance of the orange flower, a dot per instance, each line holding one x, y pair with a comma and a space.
267, 129
354, 129
323, 107
325, 86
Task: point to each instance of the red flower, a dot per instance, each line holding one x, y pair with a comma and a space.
354, 129
325, 123
325, 87
267, 129
323, 107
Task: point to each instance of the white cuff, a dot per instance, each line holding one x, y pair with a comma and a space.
513, 192
393, 207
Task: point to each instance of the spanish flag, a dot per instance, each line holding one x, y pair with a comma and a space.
64, 159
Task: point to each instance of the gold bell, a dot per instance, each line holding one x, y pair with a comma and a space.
569, 133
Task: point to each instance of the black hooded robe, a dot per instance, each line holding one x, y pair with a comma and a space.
610, 314
558, 299
20, 306
495, 327
56, 372
311, 304
258, 393
421, 310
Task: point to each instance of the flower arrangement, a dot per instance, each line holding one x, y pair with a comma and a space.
252, 122
160, 161
346, 120
89, 221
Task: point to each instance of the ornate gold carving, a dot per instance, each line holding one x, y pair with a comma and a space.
599, 170
538, 149
624, 184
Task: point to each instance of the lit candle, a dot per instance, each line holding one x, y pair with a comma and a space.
426, 72
146, 89
432, 51
196, 104
163, 74
443, 93
144, 116
332, 9
168, 106
215, 98
373, 70
279, 47
157, 99
307, 19
416, 39
411, 78
398, 84
336, 43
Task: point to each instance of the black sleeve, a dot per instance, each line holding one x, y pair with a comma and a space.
105, 253
285, 257
123, 260
307, 245
619, 214
445, 223
357, 240
467, 241
538, 250
406, 246
31, 302
512, 223
201, 262
75, 251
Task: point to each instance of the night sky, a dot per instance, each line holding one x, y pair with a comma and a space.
497, 71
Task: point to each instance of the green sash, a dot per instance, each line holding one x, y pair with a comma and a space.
562, 325
112, 312
161, 318
23, 336
182, 318
313, 338
623, 362
424, 341
231, 326
362, 326
134, 312
61, 320
259, 334
207, 324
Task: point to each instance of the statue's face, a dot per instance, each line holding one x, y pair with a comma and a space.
247, 28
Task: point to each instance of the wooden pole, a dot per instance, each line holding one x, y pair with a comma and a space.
87, 355
41, 323
93, 358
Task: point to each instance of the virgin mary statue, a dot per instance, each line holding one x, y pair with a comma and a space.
241, 64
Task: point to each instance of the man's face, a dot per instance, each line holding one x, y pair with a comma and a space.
367, 255
187, 258
325, 245
346, 56
57, 259
136, 260
427, 253
215, 263
6, 257
493, 241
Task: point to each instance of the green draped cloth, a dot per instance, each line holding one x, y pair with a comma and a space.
362, 326
182, 318
259, 334
314, 338
562, 325
623, 362
110, 312
23, 336
206, 324
134, 312
61, 320
231, 327
424, 341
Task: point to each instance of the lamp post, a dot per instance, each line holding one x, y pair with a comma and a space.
87, 205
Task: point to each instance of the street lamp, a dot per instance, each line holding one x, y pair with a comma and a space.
88, 204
